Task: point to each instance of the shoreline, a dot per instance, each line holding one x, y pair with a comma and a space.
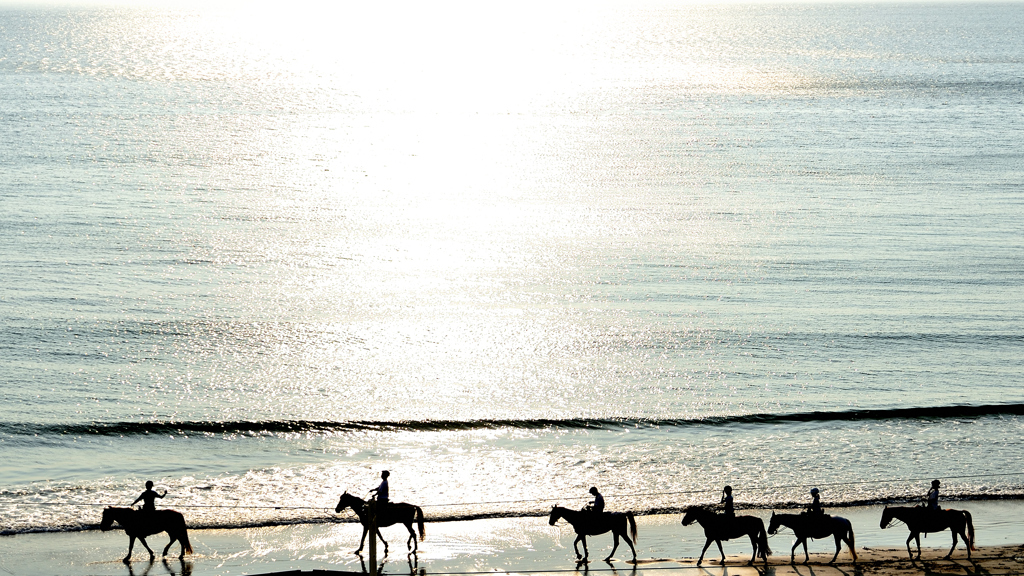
526, 544
741, 508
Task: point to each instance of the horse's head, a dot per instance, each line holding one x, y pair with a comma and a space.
887, 517
692, 514
107, 523
344, 502
555, 515
774, 524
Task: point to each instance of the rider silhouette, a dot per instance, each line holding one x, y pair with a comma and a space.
597, 506
933, 496
727, 500
149, 498
815, 507
382, 490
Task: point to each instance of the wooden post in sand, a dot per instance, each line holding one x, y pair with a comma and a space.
372, 506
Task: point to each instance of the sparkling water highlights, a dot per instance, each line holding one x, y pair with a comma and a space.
508, 253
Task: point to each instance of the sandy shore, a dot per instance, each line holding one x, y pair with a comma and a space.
519, 545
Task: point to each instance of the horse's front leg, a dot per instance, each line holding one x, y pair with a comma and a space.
807, 557
911, 537
838, 547
707, 544
379, 535
131, 546
722, 552
586, 553
792, 552
148, 549
362, 540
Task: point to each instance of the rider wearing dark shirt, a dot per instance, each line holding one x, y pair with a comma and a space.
727, 500
815, 507
933, 496
382, 490
597, 506
149, 498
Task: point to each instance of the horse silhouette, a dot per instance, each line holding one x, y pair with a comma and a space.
394, 513
815, 526
139, 524
718, 527
919, 519
593, 523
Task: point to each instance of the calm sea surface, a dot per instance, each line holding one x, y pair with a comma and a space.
507, 253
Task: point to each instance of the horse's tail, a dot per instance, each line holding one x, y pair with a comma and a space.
186, 546
632, 525
419, 523
970, 530
762, 543
853, 549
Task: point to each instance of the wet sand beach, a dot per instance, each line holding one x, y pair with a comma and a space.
518, 545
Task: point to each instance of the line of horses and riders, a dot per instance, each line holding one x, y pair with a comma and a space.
720, 523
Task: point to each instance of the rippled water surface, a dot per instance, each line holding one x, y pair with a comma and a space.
508, 252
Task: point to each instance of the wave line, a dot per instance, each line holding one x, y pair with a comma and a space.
272, 427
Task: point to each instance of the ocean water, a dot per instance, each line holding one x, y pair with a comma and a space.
508, 252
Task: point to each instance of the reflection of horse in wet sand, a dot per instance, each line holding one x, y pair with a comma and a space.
393, 513
815, 526
718, 527
139, 524
919, 519
594, 523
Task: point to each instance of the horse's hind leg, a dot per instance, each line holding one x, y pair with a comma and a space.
950, 555
411, 542
168, 547
615, 545
839, 546
631, 548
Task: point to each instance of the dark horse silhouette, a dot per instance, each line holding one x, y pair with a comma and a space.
593, 523
718, 527
919, 519
815, 526
139, 524
394, 513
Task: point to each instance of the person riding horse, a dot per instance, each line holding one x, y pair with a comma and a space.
149, 497
381, 491
815, 513
815, 507
597, 505
932, 497
728, 510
